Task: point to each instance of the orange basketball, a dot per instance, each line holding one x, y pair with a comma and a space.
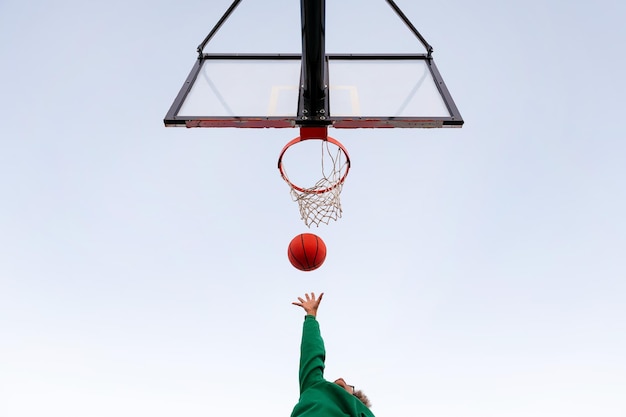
306, 252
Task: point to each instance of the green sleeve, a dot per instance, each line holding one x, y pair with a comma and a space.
312, 354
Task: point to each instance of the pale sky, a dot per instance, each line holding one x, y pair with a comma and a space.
476, 272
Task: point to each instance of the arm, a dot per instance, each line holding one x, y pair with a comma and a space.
312, 352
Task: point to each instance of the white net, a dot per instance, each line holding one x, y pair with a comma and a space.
321, 202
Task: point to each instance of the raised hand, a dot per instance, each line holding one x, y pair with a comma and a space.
309, 305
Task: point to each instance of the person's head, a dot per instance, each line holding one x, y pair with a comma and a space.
351, 390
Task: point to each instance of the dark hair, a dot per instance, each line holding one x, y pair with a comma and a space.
359, 394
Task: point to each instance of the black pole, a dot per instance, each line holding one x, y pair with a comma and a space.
407, 22
217, 27
313, 107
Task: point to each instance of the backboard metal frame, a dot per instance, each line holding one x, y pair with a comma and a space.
314, 82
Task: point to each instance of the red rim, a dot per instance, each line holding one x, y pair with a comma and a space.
300, 139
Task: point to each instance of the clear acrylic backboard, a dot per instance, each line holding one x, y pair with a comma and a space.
249, 74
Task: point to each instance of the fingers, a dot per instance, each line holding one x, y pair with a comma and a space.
311, 297
308, 299
319, 299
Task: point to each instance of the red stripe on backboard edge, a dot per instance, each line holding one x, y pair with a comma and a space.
386, 123
319, 132
244, 123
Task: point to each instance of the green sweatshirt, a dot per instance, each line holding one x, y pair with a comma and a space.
318, 397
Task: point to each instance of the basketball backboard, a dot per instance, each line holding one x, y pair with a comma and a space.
371, 78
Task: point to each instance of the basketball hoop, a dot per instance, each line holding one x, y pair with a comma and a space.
320, 202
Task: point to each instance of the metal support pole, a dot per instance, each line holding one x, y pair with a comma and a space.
407, 22
219, 24
313, 106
